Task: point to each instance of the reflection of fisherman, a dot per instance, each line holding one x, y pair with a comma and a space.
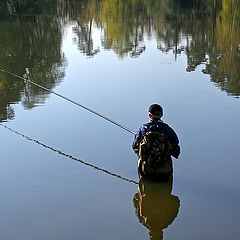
155, 163
155, 207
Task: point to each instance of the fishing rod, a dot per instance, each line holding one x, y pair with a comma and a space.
67, 99
69, 156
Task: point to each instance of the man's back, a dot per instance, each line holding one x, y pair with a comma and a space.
154, 153
155, 125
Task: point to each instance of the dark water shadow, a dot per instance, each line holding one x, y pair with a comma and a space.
156, 208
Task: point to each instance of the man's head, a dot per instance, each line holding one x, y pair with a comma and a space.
155, 111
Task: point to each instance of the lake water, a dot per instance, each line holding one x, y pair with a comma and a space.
66, 173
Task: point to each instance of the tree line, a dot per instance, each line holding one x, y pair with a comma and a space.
207, 31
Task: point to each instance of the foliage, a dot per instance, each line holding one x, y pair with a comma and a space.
38, 47
207, 31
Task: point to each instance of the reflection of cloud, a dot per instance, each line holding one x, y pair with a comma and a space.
155, 207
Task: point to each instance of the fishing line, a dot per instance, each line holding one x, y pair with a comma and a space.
69, 156
69, 100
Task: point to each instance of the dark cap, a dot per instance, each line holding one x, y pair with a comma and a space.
155, 109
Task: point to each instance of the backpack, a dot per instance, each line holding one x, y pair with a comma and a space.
154, 154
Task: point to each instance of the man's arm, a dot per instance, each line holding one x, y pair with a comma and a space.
137, 140
175, 152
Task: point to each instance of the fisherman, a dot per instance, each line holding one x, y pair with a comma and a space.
154, 143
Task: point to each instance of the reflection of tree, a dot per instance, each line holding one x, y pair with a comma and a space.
17, 9
8, 95
123, 27
119, 20
198, 28
225, 66
206, 31
85, 19
29, 42
211, 35
83, 33
155, 207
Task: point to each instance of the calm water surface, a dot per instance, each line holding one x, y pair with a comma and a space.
118, 57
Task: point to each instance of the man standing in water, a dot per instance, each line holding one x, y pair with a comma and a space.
155, 143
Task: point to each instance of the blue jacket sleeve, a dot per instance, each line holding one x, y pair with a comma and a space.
173, 138
137, 139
